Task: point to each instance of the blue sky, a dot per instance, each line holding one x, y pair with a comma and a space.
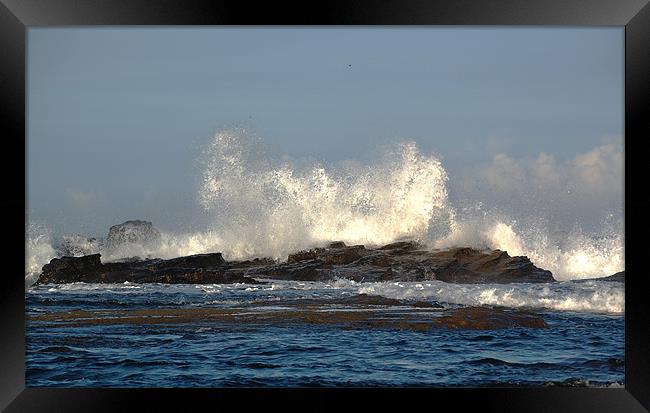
118, 116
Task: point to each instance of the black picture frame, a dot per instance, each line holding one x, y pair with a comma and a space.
17, 15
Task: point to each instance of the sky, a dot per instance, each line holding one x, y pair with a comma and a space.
117, 117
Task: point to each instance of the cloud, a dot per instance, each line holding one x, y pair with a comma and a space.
596, 172
547, 172
582, 188
599, 169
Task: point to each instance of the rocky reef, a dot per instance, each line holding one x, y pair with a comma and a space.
404, 261
360, 312
399, 261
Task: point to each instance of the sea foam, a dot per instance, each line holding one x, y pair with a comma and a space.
585, 296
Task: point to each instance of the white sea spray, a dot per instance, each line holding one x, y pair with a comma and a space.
260, 207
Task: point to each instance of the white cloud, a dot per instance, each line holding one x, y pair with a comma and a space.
600, 169
583, 188
596, 172
547, 172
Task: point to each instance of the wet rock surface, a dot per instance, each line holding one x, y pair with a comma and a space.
486, 318
358, 312
358, 300
400, 261
404, 261
619, 277
193, 269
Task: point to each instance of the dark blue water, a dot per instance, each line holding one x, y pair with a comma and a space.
579, 347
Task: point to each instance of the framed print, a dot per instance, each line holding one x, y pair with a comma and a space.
410, 201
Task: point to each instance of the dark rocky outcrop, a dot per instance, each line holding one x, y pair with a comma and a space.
400, 247
70, 269
619, 277
400, 261
404, 261
193, 269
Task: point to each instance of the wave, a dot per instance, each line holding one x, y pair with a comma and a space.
592, 296
567, 254
39, 250
598, 297
261, 208
588, 296
257, 206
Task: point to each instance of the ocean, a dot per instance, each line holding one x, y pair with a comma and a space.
340, 333
343, 333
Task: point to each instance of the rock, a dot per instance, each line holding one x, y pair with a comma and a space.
405, 261
193, 269
337, 255
127, 259
375, 259
302, 256
365, 299
256, 262
309, 270
400, 261
400, 246
369, 312
619, 276
342, 256
73, 269
132, 232
357, 301
466, 265
213, 260
485, 318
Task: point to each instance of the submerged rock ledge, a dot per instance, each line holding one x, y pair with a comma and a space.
351, 316
399, 261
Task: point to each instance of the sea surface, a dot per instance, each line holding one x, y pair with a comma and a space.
155, 335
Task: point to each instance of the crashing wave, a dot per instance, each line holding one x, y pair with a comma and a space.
257, 207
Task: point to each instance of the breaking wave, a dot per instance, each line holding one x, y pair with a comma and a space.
594, 296
585, 296
38, 250
261, 208
567, 254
